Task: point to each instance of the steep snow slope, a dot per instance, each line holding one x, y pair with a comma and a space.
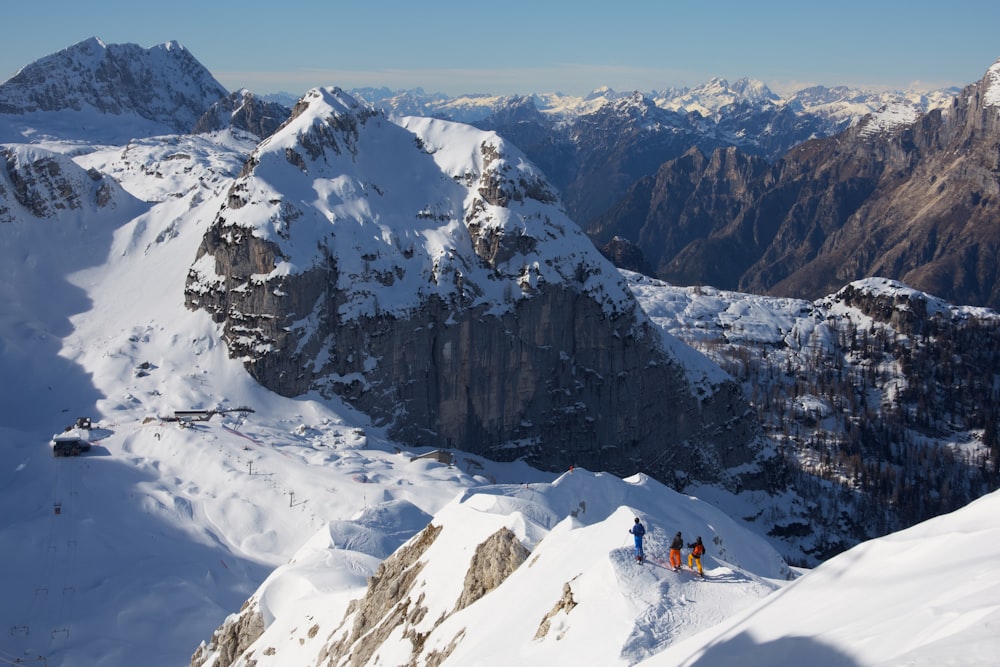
923, 597
55, 219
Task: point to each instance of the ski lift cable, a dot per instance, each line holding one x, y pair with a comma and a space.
69, 548
7, 659
37, 607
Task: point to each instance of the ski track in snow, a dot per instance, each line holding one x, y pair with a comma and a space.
675, 605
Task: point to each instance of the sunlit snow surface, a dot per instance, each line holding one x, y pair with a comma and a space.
137, 551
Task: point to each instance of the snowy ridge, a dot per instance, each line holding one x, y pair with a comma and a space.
700, 312
903, 295
581, 599
575, 529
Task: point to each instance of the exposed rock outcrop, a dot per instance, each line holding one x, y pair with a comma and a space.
243, 110
494, 561
231, 639
35, 183
394, 603
387, 605
564, 605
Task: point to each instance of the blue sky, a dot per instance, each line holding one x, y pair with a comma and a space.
524, 47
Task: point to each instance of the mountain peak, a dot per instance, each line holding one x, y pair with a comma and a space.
159, 90
333, 98
89, 43
172, 45
242, 110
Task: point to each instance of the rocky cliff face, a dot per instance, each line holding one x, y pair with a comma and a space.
35, 183
231, 639
679, 210
427, 275
904, 195
244, 111
930, 218
394, 604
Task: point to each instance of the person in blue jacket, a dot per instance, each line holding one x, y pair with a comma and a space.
638, 530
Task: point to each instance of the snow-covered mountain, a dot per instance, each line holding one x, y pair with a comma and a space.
883, 430
925, 596
244, 111
831, 210
136, 551
424, 271
96, 92
838, 103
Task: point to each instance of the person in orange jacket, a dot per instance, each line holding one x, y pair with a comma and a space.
697, 551
675, 551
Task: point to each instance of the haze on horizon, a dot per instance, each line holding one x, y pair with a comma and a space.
523, 47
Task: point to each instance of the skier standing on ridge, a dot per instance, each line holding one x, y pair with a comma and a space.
638, 530
697, 551
675, 551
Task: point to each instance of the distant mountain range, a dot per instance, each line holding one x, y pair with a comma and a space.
901, 194
737, 187
593, 148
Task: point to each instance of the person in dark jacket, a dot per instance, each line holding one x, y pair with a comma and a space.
638, 530
697, 551
675, 551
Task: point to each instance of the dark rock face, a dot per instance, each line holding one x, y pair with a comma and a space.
555, 380
912, 201
626, 255
244, 111
44, 185
231, 638
685, 205
552, 371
